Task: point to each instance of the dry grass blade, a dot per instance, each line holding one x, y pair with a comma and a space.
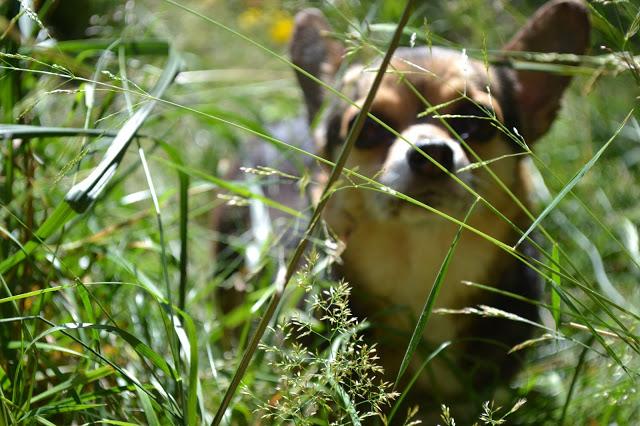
297, 255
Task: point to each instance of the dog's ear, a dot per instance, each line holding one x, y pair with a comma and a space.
560, 26
314, 51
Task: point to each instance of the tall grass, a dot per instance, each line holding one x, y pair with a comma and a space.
111, 308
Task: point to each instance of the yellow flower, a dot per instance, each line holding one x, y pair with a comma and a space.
281, 28
250, 18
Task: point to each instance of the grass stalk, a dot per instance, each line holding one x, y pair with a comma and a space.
416, 336
574, 379
299, 251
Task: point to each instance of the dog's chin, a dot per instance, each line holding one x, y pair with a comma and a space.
423, 207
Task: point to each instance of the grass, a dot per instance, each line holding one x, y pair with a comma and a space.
111, 308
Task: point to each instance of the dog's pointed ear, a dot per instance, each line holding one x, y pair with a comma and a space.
560, 26
314, 51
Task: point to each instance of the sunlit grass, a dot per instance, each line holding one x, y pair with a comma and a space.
113, 313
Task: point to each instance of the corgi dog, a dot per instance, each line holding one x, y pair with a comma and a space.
461, 129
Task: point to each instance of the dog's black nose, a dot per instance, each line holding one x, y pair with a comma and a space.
439, 150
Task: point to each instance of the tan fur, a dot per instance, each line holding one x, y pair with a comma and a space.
394, 249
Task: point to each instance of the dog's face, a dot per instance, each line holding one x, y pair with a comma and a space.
446, 112
455, 120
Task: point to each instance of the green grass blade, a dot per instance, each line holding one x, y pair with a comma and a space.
83, 378
61, 215
83, 194
147, 407
171, 332
348, 404
76, 47
58, 409
574, 379
578, 176
184, 238
138, 345
416, 336
192, 391
183, 179
414, 378
555, 277
43, 421
143, 279
91, 316
327, 191
240, 190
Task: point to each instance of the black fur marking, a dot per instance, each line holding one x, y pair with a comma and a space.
507, 99
332, 135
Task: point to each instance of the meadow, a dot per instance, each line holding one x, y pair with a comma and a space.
123, 129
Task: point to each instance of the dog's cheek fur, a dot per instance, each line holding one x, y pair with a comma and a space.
505, 169
348, 205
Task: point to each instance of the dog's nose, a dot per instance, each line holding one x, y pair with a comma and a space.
439, 150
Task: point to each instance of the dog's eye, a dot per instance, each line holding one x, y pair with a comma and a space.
473, 124
373, 134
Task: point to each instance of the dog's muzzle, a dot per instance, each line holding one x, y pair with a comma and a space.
441, 152
411, 163
423, 141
